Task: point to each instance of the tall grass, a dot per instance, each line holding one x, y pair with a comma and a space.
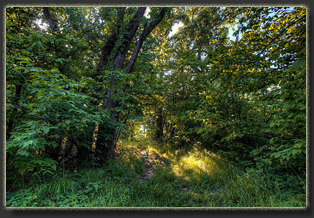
187, 178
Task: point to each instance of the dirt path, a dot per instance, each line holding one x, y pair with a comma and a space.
152, 160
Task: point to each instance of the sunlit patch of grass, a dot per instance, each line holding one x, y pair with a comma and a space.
195, 164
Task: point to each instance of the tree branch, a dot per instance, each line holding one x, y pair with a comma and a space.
128, 36
52, 23
146, 31
296, 21
110, 44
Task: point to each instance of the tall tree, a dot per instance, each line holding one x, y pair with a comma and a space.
107, 146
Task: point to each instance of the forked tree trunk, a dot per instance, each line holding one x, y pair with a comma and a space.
106, 147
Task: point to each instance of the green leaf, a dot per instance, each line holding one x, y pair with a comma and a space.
19, 68
25, 144
54, 70
46, 129
35, 69
297, 64
25, 60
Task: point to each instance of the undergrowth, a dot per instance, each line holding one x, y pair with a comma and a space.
187, 178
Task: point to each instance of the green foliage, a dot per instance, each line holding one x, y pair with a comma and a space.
229, 115
44, 104
249, 103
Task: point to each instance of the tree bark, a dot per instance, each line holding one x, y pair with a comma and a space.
52, 23
18, 91
146, 31
110, 44
159, 123
106, 146
127, 38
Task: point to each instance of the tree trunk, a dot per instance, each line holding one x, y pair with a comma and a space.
106, 146
159, 123
18, 91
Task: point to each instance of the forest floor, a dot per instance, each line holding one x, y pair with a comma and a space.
150, 164
152, 174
